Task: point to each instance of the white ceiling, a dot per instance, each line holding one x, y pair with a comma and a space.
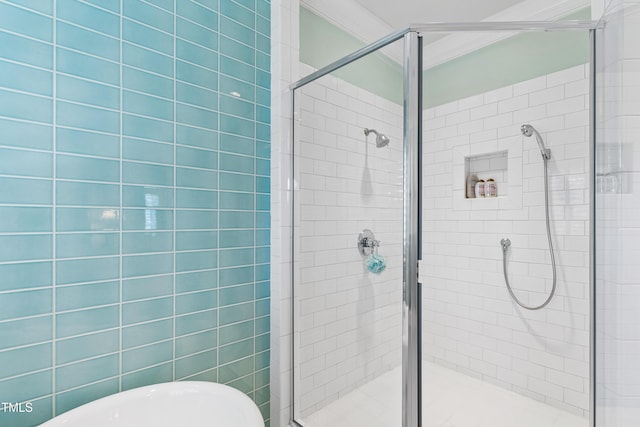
397, 14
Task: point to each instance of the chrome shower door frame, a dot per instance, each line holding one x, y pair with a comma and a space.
412, 186
412, 233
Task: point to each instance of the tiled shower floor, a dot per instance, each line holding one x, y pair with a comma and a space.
450, 399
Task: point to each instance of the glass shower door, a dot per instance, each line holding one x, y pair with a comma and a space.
347, 246
484, 359
494, 103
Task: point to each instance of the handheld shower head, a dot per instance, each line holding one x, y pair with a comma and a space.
528, 130
381, 139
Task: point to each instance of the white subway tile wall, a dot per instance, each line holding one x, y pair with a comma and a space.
349, 319
470, 322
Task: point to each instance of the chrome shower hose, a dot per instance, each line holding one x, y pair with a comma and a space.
506, 243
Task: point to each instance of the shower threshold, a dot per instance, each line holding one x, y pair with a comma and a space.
450, 399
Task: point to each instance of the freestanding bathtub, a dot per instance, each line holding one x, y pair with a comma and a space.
175, 404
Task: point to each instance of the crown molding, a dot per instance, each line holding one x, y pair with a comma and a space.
456, 45
358, 21
351, 17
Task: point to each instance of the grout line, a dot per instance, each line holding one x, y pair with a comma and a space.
175, 187
54, 209
121, 208
218, 126
255, 210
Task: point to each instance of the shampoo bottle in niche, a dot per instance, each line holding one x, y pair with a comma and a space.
480, 188
490, 188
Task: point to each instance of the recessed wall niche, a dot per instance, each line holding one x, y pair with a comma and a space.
489, 166
500, 160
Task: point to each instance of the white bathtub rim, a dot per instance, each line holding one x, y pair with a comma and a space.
106, 411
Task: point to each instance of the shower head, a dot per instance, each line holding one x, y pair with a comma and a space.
528, 130
381, 139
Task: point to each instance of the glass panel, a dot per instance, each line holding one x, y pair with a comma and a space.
486, 360
348, 301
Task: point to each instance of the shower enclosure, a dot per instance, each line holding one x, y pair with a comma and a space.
401, 314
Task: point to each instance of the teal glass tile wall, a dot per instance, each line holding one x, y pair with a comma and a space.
134, 198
